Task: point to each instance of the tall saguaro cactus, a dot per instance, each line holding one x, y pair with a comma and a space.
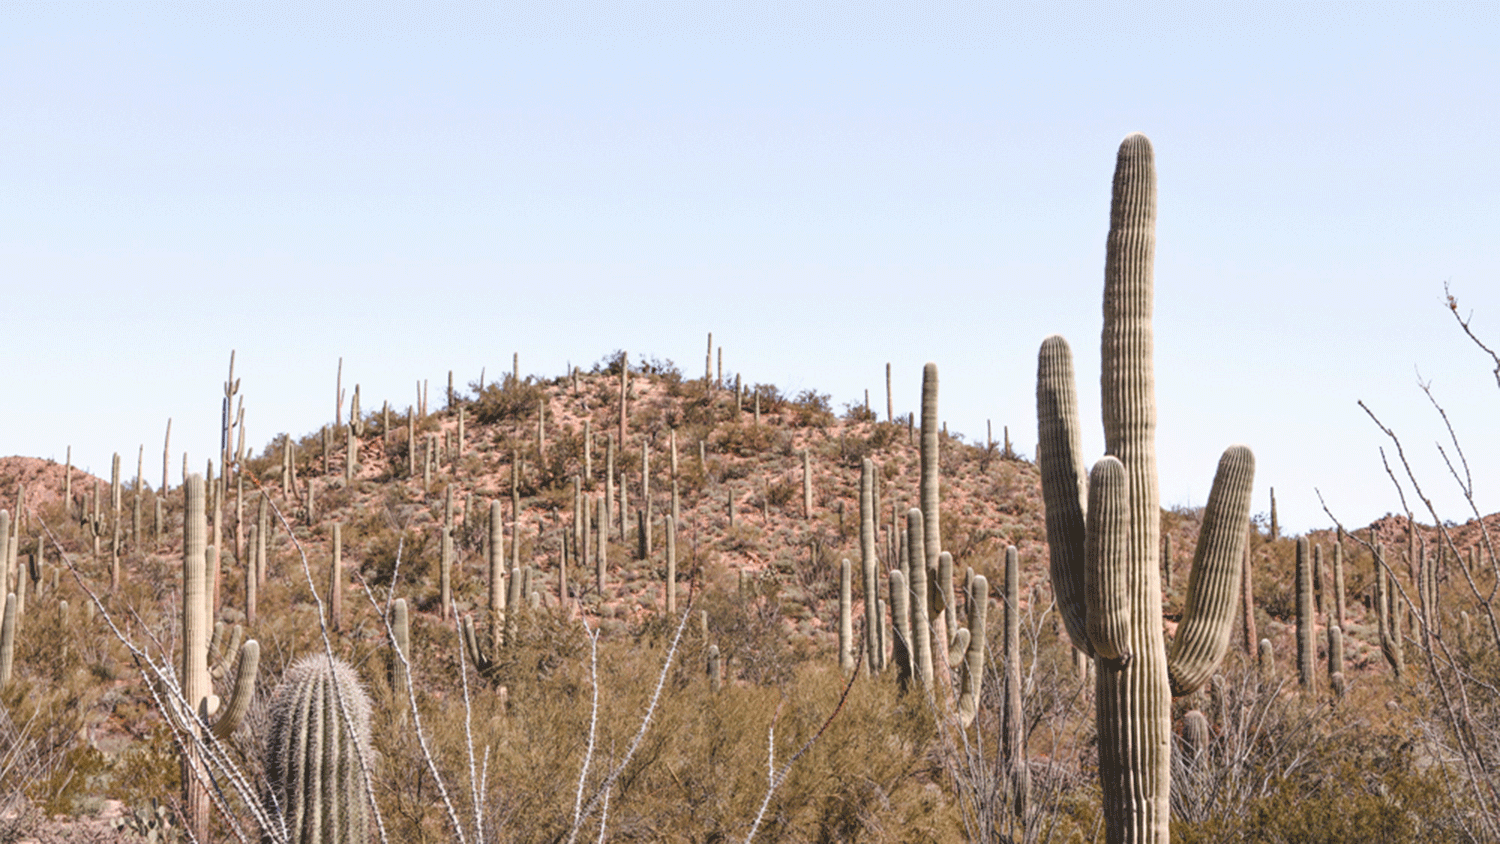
868, 562
197, 688
1104, 531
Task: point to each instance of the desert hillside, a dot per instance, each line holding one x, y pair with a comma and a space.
764, 491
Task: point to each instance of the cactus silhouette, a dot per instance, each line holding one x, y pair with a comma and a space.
1105, 547
316, 747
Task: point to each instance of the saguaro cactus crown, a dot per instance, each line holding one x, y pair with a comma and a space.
318, 742
1104, 530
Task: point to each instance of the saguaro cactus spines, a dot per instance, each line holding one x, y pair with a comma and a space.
1117, 573
315, 752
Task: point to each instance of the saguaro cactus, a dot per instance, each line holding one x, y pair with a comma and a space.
1105, 564
973, 667
497, 575
1388, 608
868, 563
8, 640
1306, 649
336, 580
400, 656
315, 753
846, 618
197, 687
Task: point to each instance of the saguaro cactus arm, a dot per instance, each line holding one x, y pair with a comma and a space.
1214, 583
1106, 577
1064, 482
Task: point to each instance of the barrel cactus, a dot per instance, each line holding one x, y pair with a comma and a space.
316, 753
1104, 529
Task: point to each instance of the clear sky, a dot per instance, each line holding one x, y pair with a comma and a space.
826, 187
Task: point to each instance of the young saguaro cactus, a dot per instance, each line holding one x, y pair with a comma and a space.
315, 753
1105, 544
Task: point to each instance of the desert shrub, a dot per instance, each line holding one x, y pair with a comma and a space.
747, 439
611, 364
812, 409
782, 492
771, 399
419, 551
510, 403
860, 412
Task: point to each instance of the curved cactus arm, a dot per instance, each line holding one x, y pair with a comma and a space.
1214, 583
1064, 482
1106, 574
244, 691
959, 647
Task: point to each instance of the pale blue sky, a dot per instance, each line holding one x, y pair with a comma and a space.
825, 187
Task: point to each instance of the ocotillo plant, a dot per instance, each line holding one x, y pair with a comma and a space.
1105, 567
317, 753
